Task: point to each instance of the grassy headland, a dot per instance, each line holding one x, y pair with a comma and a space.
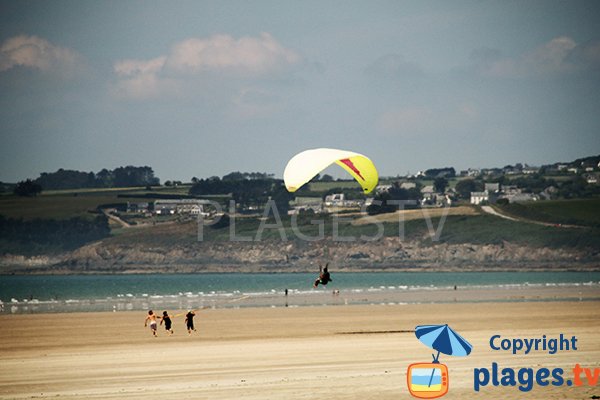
424, 238
582, 212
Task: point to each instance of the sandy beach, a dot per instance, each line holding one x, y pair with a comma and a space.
334, 352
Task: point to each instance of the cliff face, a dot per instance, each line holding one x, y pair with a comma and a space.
298, 256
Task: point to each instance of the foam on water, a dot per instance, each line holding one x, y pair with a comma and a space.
89, 293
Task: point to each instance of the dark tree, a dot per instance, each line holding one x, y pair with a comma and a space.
282, 198
66, 179
439, 184
222, 222
466, 186
409, 198
134, 176
440, 172
234, 176
119, 177
27, 188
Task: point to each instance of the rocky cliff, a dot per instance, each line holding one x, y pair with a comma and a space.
297, 256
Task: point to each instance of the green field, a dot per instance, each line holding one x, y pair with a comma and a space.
63, 204
477, 229
488, 229
56, 206
582, 212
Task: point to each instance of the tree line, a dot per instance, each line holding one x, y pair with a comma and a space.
118, 177
246, 192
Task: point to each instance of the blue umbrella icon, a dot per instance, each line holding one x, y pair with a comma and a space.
443, 339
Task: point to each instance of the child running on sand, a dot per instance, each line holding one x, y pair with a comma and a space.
189, 321
152, 318
167, 320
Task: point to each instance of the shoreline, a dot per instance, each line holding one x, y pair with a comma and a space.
507, 293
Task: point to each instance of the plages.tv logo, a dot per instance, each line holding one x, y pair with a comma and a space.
431, 380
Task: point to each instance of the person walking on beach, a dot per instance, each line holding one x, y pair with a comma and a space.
166, 318
189, 321
152, 318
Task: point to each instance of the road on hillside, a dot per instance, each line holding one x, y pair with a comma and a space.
493, 211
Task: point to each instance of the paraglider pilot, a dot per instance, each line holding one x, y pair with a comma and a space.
324, 277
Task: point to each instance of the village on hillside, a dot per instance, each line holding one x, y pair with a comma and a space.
66, 209
441, 187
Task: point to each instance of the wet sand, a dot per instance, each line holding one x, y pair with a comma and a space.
333, 352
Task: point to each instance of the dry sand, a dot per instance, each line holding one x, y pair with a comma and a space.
341, 352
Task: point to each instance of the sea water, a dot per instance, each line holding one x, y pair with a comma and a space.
60, 293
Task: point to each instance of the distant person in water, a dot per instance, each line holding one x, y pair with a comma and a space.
189, 321
152, 319
166, 318
324, 277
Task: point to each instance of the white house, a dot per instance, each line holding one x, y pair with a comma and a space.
381, 189
164, 211
180, 206
530, 170
492, 187
513, 198
427, 190
306, 203
198, 209
335, 199
480, 197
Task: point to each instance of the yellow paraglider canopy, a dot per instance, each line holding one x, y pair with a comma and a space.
306, 165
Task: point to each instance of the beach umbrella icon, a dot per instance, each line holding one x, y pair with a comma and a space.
443, 339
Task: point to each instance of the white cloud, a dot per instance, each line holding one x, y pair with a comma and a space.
561, 55
37, 53
141, 79
223, 52
551, 57
139, 67
245, 57
586, 55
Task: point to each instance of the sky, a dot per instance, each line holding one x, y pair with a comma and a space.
204, 88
